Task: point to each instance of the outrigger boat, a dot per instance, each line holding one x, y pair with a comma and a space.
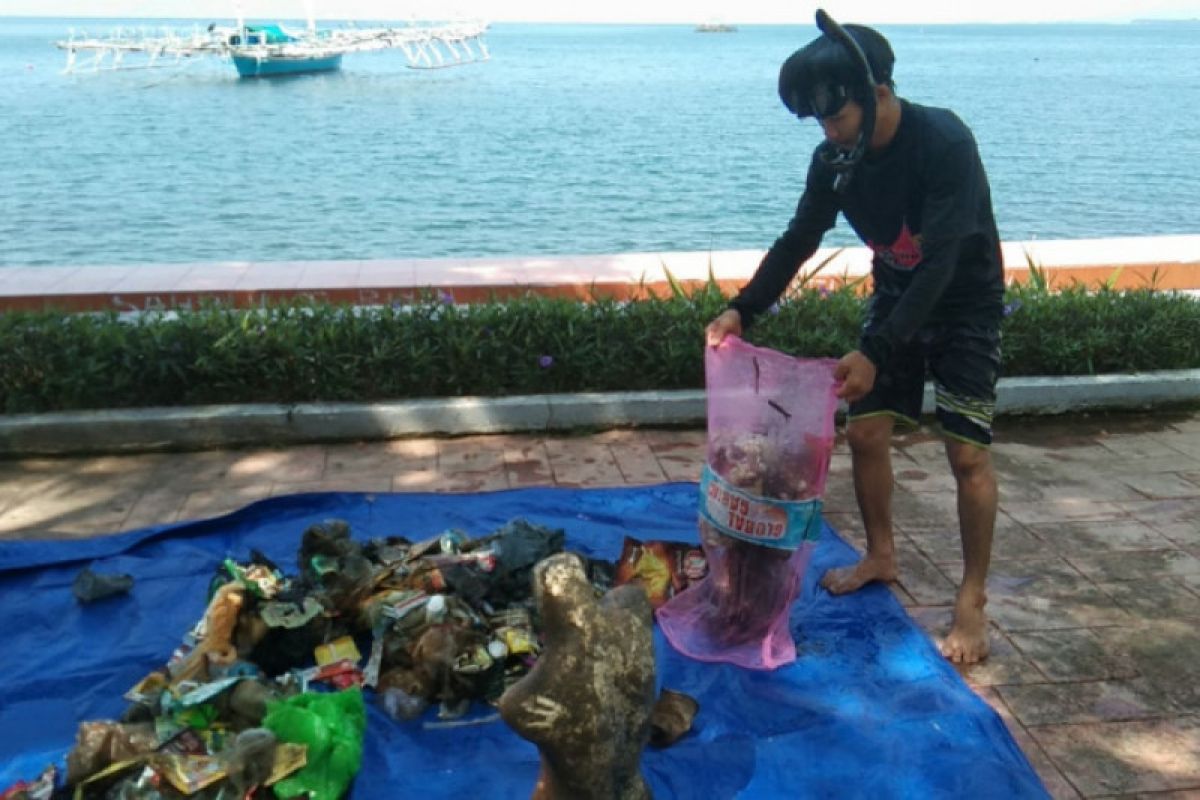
266, 50
716, 27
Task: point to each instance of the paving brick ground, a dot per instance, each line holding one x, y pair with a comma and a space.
1094, 591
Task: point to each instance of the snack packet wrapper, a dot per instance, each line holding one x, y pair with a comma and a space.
663, 569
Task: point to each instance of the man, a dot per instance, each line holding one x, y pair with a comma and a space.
909, 181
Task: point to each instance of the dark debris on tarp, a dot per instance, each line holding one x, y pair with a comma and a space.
91, 586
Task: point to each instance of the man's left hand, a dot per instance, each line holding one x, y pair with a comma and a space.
857, 375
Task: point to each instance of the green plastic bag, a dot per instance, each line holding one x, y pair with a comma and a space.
332, 725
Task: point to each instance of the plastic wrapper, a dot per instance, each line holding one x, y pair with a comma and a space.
663, 569
251, 760
100, 743
770, 439
42, 788
332, 727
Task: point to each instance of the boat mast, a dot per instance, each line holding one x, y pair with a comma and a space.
311, 7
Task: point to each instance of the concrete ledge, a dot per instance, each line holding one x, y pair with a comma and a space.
1059, 395
204, 427
626, 408
1168, 262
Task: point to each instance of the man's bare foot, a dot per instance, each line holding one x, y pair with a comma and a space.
967, 642
852, 578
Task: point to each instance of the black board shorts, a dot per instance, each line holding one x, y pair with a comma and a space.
963, 359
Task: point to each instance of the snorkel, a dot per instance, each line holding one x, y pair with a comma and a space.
820, 78
842, 161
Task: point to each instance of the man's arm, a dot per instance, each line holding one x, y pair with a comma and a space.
815, 214
948, 217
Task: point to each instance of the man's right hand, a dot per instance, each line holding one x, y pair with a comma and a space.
730, 322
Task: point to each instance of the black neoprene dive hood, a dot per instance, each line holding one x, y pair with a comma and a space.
842, 64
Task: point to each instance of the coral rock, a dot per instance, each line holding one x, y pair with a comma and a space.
586, 704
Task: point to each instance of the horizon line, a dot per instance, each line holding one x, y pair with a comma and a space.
556, 21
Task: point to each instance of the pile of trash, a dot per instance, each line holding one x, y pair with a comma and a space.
265, 694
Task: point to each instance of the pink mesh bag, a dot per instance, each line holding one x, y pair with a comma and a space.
770, 438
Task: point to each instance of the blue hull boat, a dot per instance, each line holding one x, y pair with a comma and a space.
260, 51
268, 65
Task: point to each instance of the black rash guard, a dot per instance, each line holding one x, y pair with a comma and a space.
924, 207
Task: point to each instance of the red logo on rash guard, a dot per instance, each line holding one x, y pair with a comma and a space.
904, 253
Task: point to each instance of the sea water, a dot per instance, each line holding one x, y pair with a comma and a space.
572, 139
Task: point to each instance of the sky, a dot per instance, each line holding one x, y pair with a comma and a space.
643, 11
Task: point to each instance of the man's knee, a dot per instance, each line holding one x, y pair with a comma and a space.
969, 462
869, 435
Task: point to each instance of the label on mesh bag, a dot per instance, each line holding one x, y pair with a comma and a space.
785, 524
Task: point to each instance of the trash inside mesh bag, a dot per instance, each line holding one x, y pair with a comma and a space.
770, 438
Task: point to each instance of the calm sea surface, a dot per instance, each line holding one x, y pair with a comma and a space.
572, 139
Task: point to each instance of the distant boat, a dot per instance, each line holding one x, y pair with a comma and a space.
267, 50
716, 27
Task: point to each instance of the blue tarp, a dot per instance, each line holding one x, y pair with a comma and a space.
869, 708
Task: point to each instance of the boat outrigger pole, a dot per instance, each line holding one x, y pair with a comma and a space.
264, 50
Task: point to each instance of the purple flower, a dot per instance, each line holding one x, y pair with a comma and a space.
446, 298
774, 309
1009, 308
823, 291
545, 362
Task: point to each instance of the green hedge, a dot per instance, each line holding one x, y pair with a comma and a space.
309, 352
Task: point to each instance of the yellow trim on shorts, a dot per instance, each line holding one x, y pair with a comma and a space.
909, 421
896, 415
957, 438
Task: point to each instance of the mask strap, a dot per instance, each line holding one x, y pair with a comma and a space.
844, 161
